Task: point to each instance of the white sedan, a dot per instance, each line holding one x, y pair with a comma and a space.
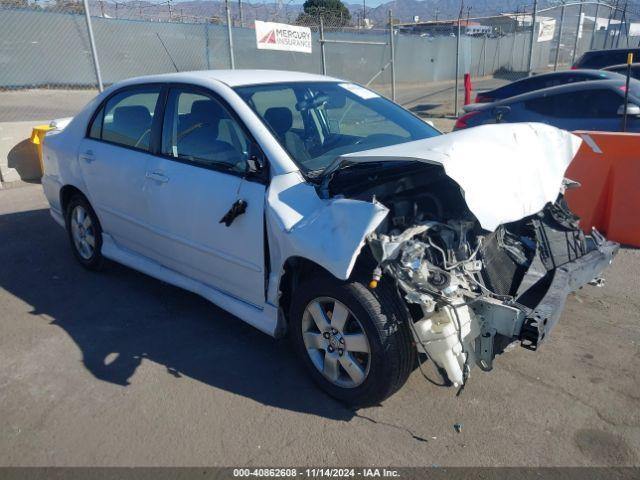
312, 206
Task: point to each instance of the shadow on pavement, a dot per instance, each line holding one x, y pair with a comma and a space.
118, 317
23, 157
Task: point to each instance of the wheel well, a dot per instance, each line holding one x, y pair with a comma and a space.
297, 269
66, 194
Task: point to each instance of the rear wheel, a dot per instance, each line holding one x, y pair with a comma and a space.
354, 343
85, 233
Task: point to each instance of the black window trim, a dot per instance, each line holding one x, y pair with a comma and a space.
101, 109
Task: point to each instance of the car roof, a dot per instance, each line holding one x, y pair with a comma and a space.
570, 87
612, 50
586, 72
234, 78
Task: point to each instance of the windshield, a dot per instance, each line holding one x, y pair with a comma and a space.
319, 121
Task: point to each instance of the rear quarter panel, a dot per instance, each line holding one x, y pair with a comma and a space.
60, 157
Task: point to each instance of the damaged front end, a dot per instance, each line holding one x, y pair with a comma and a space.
478, 238
471, 292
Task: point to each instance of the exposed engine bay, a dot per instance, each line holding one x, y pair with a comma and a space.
470, 292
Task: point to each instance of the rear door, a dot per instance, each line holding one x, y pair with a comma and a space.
193, 183
113, 160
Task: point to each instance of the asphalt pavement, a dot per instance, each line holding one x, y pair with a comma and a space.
116, 368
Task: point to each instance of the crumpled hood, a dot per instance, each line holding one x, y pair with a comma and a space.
507, 171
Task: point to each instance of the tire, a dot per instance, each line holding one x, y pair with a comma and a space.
85, 233
378, 315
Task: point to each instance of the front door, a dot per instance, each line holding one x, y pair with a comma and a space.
193, 184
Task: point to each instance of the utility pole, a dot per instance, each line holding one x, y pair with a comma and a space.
92, 44
102, 8
437, 12
533, 37
455, 95
578, 29
555, 63
595, 26
623, 21
612, 15
364, 13
240, 13
170, 10
393, 57
232, 62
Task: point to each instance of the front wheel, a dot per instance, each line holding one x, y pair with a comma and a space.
355, 343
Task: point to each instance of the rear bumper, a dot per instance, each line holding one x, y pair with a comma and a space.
559, 283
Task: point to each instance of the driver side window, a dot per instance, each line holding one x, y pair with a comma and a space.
128, 117
199, 130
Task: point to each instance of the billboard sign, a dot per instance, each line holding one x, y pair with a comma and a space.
280, 36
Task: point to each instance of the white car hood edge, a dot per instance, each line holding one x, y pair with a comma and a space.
507, 171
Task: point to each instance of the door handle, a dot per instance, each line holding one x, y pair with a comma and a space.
157, 177
88, 156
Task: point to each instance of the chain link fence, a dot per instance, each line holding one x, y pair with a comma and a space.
47, 68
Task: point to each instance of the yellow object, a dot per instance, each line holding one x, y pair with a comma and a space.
373, 284
629, 58
37, 138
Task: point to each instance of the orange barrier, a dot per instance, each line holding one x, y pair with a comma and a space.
608, 167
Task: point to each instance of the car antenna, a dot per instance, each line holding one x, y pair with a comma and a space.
168, 54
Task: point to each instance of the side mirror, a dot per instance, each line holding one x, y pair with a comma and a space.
255, 165
632, 110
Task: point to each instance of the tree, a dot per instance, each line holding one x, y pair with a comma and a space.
334, 13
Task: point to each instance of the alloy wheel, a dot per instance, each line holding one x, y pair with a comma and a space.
336, 342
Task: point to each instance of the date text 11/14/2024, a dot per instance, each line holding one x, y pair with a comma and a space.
316, 472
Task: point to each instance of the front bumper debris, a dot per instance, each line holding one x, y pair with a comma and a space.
469, 301
562, 281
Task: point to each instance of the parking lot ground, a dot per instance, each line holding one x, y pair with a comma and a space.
116, 368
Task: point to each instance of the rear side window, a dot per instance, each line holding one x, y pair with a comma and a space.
127, 117
582, 104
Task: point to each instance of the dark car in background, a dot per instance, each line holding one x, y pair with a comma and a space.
622, 69
545, 80
605, 58
597, 105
